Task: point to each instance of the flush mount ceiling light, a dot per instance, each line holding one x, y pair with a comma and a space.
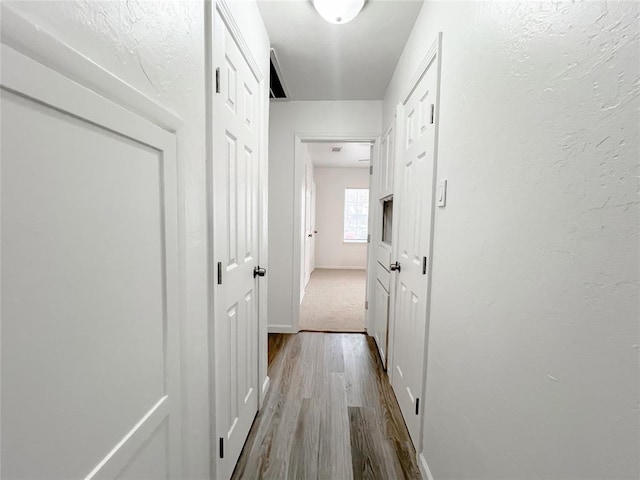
338, 11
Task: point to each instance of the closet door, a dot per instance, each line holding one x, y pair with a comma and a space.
89, 256
415, 188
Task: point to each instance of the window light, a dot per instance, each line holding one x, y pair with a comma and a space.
356, 215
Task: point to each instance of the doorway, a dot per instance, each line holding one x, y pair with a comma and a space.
334, 232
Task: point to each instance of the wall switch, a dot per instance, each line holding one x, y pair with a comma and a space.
442, 193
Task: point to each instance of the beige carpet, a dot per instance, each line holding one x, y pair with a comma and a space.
334, 301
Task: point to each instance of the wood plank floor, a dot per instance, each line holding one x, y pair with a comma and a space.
330, 414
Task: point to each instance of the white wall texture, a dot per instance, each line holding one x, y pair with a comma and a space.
331, 251
159, 48
338, 118
533, 368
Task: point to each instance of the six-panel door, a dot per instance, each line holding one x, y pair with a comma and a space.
235, 178
415, 182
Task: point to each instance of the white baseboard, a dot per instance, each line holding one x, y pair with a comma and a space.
341, 267
281, 329
424, 468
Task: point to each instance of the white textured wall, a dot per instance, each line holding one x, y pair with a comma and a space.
331, 250
533, 364
287, 119
159, 48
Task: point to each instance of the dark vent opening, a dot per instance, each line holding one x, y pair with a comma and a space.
276, 89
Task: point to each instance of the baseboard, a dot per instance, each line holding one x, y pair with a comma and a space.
281, 329
424, 468
340, 267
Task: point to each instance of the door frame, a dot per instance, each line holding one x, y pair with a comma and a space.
433, 54
221, 7
298, 177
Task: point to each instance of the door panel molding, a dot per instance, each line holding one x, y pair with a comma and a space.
435, 51
227, 17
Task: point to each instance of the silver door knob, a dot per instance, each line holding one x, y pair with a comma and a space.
395, 267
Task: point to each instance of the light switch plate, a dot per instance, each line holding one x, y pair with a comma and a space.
442, 193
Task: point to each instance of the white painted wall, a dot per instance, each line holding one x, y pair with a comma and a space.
339, 118
533, 368
331, 250
159, 48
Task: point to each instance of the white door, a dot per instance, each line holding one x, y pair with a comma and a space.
308, 224
384, 281
90, 362
235, 178
414, 183
312, 254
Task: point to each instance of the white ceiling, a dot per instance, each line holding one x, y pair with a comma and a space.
323, 61
349, 157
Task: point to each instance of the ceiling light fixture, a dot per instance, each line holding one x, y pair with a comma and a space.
338, 11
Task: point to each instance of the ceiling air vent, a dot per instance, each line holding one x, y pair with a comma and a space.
277, 89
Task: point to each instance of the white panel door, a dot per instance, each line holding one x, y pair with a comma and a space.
312, 254
89, 352
308, 224
415, 187
235, 178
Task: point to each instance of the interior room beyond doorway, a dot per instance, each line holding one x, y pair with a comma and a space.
335, 218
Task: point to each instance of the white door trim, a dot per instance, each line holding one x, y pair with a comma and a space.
299, 139
63, 79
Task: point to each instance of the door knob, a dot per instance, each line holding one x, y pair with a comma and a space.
259, 272
395, 267
310, 235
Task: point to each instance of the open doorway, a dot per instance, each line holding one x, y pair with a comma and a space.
334, 231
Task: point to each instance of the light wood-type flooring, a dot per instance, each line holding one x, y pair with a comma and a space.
330, 414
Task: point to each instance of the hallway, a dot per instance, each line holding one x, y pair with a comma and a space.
172, 172
330, 414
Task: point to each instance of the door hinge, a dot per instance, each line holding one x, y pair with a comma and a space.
219, 273
366, 304
221, 447
424, 265
433, 112
417, 407
371, 170
368, 238
218, 81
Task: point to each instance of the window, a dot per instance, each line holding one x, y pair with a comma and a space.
356, 214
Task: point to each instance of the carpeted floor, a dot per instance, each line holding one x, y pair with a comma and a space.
334, 301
